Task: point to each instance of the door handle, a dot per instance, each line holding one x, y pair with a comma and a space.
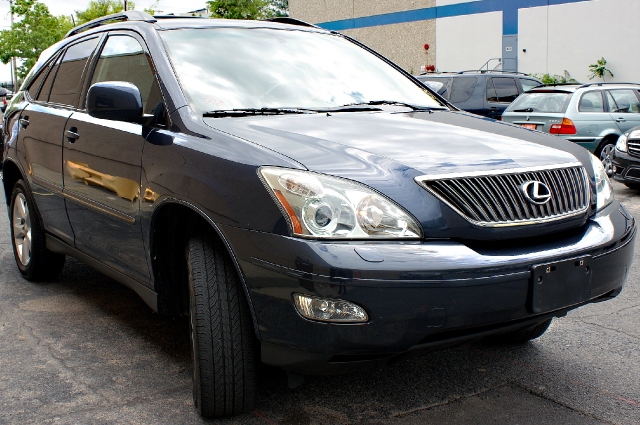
24, 122
620, 120
72, 135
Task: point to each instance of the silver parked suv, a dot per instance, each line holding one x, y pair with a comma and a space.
591, 115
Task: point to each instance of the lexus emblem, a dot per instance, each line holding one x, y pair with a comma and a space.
536, 192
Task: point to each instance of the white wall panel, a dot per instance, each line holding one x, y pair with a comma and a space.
467, 42
532, 36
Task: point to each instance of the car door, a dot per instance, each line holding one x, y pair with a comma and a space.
624, 108
41, 125
103, 164
501, 91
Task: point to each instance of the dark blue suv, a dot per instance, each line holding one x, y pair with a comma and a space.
304, 201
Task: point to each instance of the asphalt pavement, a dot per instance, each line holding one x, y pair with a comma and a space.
86, 350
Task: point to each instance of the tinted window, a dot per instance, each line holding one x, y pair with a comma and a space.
123, 59
540, 102
528, 84
69, 75
624, 101
462, 89
505, 90
46, 86
35, 84
591, 102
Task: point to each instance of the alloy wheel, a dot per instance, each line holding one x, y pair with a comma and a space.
22, 228
606, 159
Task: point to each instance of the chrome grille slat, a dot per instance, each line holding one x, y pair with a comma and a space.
497, 199
633, 147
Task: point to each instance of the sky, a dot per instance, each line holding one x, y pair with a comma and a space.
68, 7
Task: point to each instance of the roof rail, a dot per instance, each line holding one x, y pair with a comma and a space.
178, 17
129, 15
291, 21
486, 71
600, 84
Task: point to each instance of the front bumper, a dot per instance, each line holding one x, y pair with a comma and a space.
626, 168
423, 295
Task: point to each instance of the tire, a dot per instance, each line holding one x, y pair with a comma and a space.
633, 186
34, 260
606, 156
521, 336
224, 346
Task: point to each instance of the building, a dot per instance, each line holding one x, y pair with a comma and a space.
532, 36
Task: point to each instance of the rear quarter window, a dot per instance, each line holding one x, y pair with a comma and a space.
462, 89
591, 102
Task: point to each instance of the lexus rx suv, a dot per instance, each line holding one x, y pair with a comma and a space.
305, 202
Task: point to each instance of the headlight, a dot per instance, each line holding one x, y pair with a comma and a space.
604, 191
621, 144
321, 206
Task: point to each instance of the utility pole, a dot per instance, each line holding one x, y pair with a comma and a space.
125, 5
14, 79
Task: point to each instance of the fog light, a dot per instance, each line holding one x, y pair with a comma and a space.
328, 310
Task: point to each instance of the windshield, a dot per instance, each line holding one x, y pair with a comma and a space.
241, 68
540, 102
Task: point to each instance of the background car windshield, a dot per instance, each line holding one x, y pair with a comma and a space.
541, 102
221, 69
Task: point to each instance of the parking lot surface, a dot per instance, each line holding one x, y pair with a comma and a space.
85, 349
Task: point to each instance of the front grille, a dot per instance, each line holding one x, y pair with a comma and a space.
633, 146
498, 199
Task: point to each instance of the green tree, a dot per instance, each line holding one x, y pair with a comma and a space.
99, 8
248, 9
34, 30
555, 79
599, 69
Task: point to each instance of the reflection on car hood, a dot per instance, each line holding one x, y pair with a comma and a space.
436, 143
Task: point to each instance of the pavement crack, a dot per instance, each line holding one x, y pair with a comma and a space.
608, 328
565, 405
444, 402
71, 372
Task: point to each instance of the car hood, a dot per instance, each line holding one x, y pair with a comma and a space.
439, 143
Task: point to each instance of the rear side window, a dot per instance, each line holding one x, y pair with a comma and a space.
37, 81
591, 102
46, 86
623, 102
123, 59
67, 80
504, 89
462, 89
552, 102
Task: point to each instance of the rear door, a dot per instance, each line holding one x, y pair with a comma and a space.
103, 164
40, 136
501, 91
624, 108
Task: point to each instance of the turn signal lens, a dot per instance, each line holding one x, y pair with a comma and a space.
566, 127
328, 310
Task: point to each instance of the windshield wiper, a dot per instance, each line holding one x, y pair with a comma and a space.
243, 112
394, 103
523, 110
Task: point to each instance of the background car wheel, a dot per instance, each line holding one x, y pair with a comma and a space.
606, 157
521, 335
33, 258
223, 343
633, 186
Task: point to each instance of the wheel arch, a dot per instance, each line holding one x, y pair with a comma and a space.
172, 223
606, 139
11, 173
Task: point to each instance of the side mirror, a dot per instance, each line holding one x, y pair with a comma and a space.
115, 100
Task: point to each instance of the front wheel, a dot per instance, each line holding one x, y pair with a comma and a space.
34, 260
606, 157
222, 339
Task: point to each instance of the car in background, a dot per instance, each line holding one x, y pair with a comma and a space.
486, 93
5, 96
626, 159
591, 115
